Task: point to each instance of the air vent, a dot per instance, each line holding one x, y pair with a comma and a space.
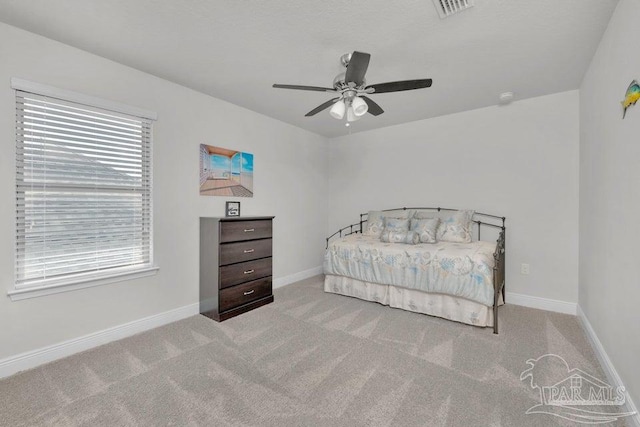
447, 8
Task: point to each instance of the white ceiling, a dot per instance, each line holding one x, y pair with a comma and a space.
236, 49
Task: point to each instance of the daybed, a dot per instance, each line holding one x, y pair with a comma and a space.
446, 271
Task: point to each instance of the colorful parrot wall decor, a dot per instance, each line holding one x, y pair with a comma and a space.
631, 97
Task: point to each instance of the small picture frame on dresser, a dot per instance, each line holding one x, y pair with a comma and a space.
232, 209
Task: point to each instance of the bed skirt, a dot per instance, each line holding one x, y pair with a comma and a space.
440, 305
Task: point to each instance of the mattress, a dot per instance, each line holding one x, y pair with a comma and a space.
462, 270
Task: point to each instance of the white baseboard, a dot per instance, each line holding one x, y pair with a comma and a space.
31, 359
296, 277
542, 303
607, 366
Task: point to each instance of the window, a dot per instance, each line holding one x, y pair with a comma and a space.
83, 191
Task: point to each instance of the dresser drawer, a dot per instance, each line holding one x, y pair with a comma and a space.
235, 231
245, 293
234, 274
231, 253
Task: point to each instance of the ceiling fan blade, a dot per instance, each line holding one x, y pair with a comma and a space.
400, 86
298, 87
357, 68
321, 107
374, 108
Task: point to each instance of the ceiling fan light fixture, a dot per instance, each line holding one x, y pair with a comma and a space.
359, 106
338, 109
351, 115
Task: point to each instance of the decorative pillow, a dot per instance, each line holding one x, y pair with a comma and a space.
456, 228
408, 236
375, 221
396, 224
426, 228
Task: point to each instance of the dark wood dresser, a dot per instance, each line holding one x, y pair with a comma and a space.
235, 265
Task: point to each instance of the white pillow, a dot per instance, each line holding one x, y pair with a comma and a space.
456, 227
407, 236
375, 221
396, 224
426, 229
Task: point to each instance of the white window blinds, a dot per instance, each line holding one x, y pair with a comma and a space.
83, 192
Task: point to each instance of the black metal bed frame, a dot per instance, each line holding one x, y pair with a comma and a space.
498, 255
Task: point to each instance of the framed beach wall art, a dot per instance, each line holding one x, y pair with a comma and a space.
225, 172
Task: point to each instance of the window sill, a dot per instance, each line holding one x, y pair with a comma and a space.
72, 285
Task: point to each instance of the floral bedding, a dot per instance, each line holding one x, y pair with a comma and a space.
459, 269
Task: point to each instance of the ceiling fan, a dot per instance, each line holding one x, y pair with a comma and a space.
352, 89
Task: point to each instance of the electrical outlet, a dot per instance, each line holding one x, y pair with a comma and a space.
524, 269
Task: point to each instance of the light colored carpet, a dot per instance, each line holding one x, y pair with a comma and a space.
308, 359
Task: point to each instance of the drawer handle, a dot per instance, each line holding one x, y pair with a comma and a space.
249, 271
248, 251
250, 292
249, 230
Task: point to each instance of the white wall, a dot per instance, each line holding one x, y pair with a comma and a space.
609, 196
290, 170
518, 161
